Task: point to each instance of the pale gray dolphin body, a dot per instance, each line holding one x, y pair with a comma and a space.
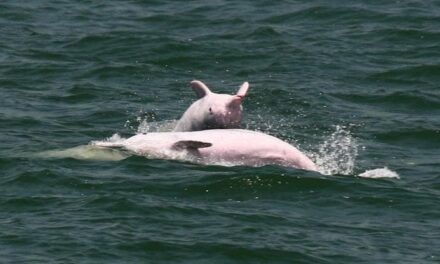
216, 146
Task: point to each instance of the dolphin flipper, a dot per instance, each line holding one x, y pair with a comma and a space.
243, 90
200, 88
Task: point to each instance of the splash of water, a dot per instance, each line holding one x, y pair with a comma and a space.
337, 154
160, 126
145, 122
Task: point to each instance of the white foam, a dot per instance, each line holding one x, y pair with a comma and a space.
115, 138
379, 173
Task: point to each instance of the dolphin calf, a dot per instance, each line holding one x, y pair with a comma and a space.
212, 110
215, 146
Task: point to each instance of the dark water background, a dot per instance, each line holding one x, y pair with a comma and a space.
354, 84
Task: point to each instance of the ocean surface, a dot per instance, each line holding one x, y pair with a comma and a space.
354, 84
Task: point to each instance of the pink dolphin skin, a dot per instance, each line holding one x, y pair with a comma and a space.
212, 110
232, 146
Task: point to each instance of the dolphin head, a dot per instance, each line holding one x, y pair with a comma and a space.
223, 111
213, 110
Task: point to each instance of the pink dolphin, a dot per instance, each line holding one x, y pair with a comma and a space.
212, 110
216, 146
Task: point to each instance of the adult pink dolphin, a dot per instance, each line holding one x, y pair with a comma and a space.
216, 146
212, 110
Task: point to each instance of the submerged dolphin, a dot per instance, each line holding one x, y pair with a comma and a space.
216, 146
212, 110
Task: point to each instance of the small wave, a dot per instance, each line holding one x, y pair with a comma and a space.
264, 32
414, 138
426, 72
405, 100
322, 12
112, 69
410, 34
87, 40
379, 173
78, 93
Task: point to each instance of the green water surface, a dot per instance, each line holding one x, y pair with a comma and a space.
356, 85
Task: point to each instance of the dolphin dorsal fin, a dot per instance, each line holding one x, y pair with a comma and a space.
200, 88
191, 144
243, 90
